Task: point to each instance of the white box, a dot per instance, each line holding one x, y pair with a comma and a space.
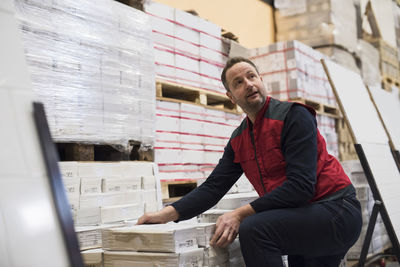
89, 237
87, 216
233, 201
114, 185
68, 169
93, 257
90, 185
72, 186
133, 183
99, 169
148, 182
120, 213
136, 168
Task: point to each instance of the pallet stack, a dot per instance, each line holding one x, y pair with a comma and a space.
97, 83
326, 25
292, 71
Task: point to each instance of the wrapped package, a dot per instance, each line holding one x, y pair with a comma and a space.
92, 65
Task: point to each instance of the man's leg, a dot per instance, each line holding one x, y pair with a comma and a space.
314, 231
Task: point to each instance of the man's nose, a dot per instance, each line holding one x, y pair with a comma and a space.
248, 83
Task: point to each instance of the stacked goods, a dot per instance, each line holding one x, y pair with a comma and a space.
97, 83
108, 192
327, 129
292, 70
369, 57
396, 15
389, 63
380, 238
190, 139
327, 25
93, 257
317, 22
158, 244
346, 143
188, 49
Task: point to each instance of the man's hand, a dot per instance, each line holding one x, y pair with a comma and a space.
226, 229
165, 215
227, 226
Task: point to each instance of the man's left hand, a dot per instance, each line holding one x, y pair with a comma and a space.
226, 229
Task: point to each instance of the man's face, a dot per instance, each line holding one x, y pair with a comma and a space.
246, 87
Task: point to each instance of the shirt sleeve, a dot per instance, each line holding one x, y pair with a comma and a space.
299, 149
200, 199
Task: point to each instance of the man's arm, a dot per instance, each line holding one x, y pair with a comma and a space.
225, 174
299, 148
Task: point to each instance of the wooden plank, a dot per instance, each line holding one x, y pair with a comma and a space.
320, 108
172, 92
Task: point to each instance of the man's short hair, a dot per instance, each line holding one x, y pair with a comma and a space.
229, 64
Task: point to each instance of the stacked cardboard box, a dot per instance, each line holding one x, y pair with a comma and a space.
188, 49
380, 238
292, 70
107, 192
97, 82
317, 22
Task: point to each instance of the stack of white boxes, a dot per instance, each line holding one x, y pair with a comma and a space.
105, 194
188, 49
292, 70
97, 83
380, 238
190, 139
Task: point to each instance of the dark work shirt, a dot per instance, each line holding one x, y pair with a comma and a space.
299, 148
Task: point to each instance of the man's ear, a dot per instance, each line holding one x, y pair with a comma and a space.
229, 94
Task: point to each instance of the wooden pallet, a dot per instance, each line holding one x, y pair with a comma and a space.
79, 151
320, 108
388, 82
173, 92
175, 189
345, 142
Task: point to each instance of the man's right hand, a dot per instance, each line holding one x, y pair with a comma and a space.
165, 215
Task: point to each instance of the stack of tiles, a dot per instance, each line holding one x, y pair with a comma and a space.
380, 239
292, 70
327, 129
153, 245
93, 257
190, 139
97, 83
188, 49
106, 194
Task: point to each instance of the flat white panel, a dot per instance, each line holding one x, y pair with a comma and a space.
387, 178
360, 111
11, 153
388, 104
4, 260
13, 71
34, 235
28, 139
6, 6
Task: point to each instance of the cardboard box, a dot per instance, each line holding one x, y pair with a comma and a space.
169, 237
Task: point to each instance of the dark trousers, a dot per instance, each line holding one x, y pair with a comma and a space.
318, 234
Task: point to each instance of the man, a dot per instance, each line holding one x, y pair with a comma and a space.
307, 207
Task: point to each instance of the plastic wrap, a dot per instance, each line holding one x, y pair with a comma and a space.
292, 70
317, 22
92, 65
189, 50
